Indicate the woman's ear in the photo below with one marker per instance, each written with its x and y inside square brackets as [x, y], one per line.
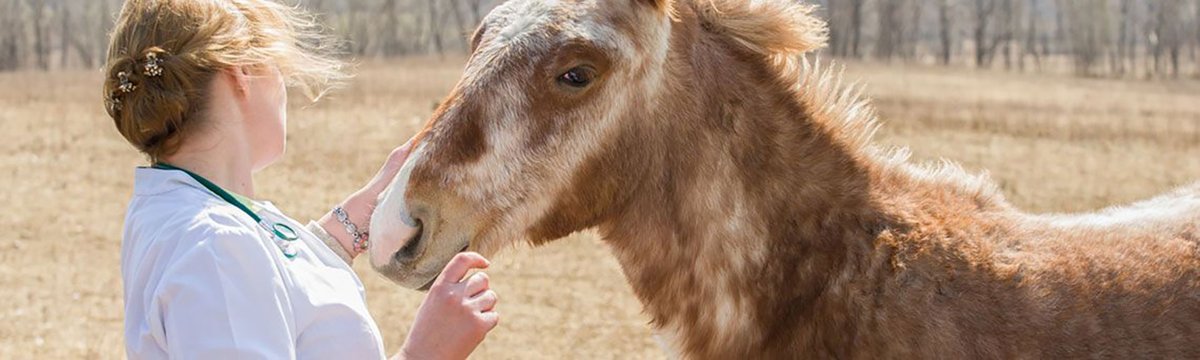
[240, 76]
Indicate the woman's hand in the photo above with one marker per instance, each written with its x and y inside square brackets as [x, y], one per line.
[361, 204]
[456, 315]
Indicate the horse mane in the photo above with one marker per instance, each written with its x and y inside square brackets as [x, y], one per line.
[783, 31]
[841, 110]
[765, 26]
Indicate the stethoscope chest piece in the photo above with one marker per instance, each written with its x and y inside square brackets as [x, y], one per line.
[284, 232]
[290, 251]
[283, 235]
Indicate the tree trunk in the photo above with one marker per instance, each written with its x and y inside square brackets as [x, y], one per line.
[64, 15]
[1174, 61]
[856, 22]
[460, 24]
[476, 7]
[391, 26]
[945, 31]
[983, 14]
[1123, 38]
[837, 28]
[889, 29]
[435, 36]
[1031, 37]
[1060, 31]
[913, 42]
[39, 34]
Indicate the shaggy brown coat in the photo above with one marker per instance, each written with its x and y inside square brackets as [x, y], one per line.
[867, 257]
[754, 219]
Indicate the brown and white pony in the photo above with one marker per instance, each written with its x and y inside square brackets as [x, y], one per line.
[736, 185]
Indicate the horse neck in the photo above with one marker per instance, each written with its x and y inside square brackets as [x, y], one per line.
[748, 207]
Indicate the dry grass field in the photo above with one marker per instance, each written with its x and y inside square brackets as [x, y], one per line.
[1054, 144]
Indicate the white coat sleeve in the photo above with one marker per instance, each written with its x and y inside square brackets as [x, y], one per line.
[224, 296]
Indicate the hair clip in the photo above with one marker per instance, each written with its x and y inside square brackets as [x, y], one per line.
[124, 85]
[153, 67]
[114, 102]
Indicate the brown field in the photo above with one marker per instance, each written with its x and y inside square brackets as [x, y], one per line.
[1054, 143]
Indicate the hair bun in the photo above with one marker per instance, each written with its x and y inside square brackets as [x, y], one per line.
[119, 85]
[171, 51]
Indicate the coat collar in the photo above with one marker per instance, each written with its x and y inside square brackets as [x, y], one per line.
[150, 181]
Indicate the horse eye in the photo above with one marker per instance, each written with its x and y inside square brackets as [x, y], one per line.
[578, 77]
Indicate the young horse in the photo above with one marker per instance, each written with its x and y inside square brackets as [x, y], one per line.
[736, 186]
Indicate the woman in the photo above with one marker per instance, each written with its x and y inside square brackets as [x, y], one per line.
[200, 87]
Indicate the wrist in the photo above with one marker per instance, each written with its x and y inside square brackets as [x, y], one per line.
[335, 230]
[403, 354]
[407, 353]
[355, 211]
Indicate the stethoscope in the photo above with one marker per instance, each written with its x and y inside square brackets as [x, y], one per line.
[281, 234]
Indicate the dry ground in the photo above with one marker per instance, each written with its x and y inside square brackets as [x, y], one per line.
[1054, 143]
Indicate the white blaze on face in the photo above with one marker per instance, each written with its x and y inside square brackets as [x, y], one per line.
[501, 178]
[391, 224]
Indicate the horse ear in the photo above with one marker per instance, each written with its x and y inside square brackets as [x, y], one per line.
[663, 6]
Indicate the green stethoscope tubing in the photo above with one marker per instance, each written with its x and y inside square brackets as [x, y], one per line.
[278, 230]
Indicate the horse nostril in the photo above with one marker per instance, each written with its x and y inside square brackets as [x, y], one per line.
[409, 251]
[409, 220]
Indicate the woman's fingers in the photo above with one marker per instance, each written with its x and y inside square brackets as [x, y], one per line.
[458, 267]
[396, 160]
[490, 319]
[391, 167]
[476, 283]
[484, 302]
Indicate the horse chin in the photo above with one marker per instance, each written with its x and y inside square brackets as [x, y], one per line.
[429, 276]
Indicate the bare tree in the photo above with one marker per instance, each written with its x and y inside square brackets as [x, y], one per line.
[846, 22]
[40, 45]
[1011, 13]
[912, 39]
[475, 8]
[945, 31]
[856, 23]
[433, 32]
[460, 23]
[1031, 36]
[983, 11]
[1089, 33]
[391, 25]
[1166, 35]
[63, 17]
[1124, 38]
[12, 27]
[890, 30]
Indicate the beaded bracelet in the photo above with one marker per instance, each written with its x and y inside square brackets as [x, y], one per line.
[360, 238]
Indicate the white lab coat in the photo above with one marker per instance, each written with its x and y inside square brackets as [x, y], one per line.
[203, 281]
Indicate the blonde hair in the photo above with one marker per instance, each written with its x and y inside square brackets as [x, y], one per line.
[163, 54]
